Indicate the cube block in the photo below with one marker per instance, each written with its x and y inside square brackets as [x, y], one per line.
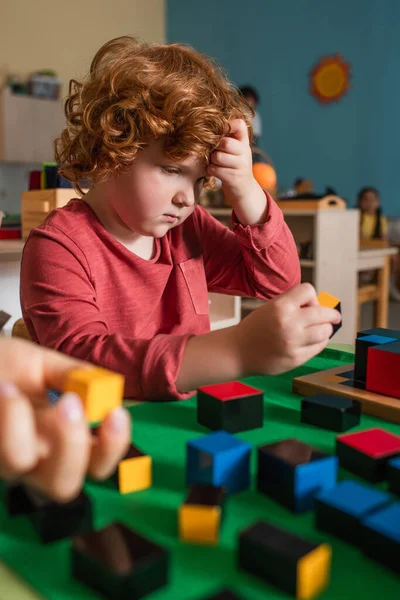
[292, 472]
[134, 472]
[100, 390]
[232, 406]
[366, 453]
[339, 511]
[330, 412]
[52, 520]
[295, 565]
[200, 516]
[393, 473]
[330, 301]
[118, 563]
[219, 459]
[381, 540]
[383, 369]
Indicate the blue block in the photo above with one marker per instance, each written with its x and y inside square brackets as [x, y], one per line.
[381, 536]
[219, 459]
[393, 475]
[313, 477]
[386, 522]
[292, 472]
[353, 498]
[377, 340]
[340, 511]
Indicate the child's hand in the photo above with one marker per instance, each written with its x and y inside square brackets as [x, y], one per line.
[50, 447]
[285, 332]
[231, 162]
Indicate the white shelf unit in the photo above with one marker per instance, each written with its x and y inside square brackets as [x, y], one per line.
[333, 267]
[225, 311]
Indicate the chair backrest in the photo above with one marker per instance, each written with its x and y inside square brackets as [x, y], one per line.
[19, 330]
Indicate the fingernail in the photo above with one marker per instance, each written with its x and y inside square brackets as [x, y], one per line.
[71, 408]
[8, 390]
[117, 419]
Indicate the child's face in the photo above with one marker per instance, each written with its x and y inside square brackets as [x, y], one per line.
[156, 193]
[369, 203]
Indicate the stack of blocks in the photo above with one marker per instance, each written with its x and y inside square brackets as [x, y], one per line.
[295, 565]
[377, 362]
[292, 472]
[363, 516]
[216, 465]
[200, 516]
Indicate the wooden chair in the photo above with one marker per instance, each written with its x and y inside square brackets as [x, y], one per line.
[19, 330]
[378, 293]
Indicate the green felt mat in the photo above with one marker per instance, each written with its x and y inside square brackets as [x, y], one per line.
[162, 431]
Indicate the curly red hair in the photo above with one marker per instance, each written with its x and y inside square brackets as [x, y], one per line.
[136, 93]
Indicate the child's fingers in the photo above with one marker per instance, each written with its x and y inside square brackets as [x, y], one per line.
[230, 145]
[303, 294]
[111, 444]
[19, 445]
[223, 159]
[317, 334]
[62, 468]
[316, 315]
[238, 130]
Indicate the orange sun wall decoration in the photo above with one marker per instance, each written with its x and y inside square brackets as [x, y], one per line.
[330, 79]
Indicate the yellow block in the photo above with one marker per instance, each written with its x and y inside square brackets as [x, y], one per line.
[134, 474]
[328, 300]
[100, 390]
[199, 524]
[313, 572]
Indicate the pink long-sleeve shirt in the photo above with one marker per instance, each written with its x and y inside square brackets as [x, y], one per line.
[83, 293]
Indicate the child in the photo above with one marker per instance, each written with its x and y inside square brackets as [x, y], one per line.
[121, 278]
[373, 225]
[50, 447]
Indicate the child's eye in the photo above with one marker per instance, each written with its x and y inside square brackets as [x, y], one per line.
[170, 170]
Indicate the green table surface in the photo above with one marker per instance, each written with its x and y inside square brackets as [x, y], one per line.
[162, 431]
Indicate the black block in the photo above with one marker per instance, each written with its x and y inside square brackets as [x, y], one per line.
[52, 520]
[330, 412]
[272, 554]
[393, 476]
[370, 468]
[118, 563]
[242, 411]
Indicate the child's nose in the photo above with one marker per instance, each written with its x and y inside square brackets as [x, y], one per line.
[184, 199]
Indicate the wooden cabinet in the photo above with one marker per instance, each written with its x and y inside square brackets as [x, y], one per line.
[28, 127]
[36, 205]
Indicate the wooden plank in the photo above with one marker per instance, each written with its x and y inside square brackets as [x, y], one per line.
[384, 407]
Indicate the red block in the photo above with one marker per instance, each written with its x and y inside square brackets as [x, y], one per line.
[376, 443]
[383, 369]
[229, 391]
[367, 453]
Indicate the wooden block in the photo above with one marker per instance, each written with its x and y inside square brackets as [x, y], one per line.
[374, 404]
[134, 472]
[295, 565]
[330, 301]
[117, 562]
[100, 390]
[231, 406]
[367, 453]
[324, 203]
[200, 515]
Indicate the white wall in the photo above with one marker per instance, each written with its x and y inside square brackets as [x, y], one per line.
[64, 36]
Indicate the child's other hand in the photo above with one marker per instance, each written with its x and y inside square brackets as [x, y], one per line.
[231, 162]
[51, 447]
[285, 332]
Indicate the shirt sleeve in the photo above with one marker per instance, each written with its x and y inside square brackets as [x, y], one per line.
[58, 299]
[259, 261]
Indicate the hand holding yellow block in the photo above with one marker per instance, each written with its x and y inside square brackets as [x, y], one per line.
[100, 390]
